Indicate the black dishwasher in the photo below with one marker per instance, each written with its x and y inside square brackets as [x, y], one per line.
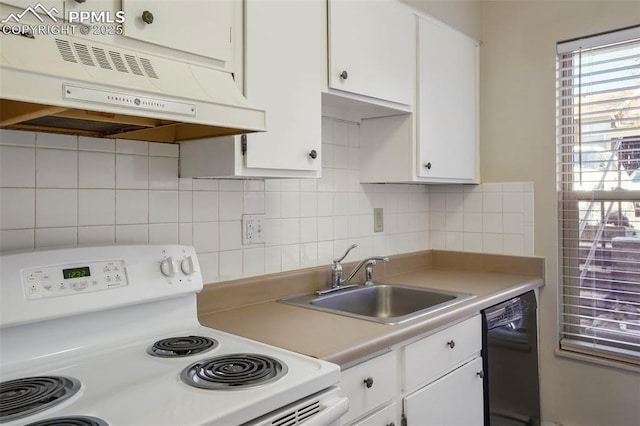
[510, 360]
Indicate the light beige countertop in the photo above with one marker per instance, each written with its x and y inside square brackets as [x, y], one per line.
[254, 312]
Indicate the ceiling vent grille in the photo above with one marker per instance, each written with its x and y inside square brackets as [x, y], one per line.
[116, 58]
[64, 47]
[83, 54]
[101, 58]
[298, 416]
[148, 68]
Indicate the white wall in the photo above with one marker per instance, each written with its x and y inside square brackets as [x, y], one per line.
[518, 144]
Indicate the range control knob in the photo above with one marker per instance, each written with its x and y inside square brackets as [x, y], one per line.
[187, 265]
[166, 267]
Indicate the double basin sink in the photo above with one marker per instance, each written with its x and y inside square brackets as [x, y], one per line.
[383, 303]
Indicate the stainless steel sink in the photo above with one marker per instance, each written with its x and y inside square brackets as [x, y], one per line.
[385, 303]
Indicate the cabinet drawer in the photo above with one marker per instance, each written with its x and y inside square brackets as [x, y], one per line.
[388, 416]
[370, 384]
[429, 358]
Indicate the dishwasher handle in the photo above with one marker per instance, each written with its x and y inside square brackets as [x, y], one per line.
[509, 312]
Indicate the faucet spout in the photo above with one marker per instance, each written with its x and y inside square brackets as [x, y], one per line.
[368, 263]
[337, 271]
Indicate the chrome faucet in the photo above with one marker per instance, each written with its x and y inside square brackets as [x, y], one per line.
[338, 283]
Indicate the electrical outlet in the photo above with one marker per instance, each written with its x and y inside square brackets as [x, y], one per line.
[378, 220]
[253, 228]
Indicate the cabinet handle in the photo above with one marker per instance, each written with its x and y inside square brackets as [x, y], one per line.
[80, 1]
[451, 344]
[480, 374]
[368, 382]
[428, 166]
[147, 17]
[313, 154]
[344, 75]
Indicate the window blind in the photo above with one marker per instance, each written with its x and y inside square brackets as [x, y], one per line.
[598, 129]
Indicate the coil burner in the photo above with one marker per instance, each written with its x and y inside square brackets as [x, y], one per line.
[23, 397]
[233, 371]
[71, 421]
[175, 347]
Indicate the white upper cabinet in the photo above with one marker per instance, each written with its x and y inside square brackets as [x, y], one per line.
[283, 74]
[447, 108]
[371, 49]
[192, 26]
[439, 142]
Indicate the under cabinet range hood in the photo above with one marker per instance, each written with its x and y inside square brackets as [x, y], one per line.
[76, 85]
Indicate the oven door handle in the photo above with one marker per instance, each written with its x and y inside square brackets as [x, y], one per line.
[334, 409]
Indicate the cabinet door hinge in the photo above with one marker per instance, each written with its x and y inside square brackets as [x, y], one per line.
[403, 420]
[243, 144]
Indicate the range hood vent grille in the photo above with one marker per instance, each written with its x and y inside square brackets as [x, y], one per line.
[101, 58]
[64, 47]
[82, 53]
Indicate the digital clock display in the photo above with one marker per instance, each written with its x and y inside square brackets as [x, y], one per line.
[76, 272]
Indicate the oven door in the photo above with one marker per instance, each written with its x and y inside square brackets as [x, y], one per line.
[321, 409]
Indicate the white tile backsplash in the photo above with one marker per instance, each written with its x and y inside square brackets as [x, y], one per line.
[96, 234]
[163, 206]
[132, 206]
[132, 171]
[17, 239]
[96, 207]
[96, 144]
[100, 191]
[96, 170]
[50, 140]
[132, 233]
[17, 167]
[17, 208]
[56, 207]
[17, 138]
[56, 168]
[53, 237]
[162, 173]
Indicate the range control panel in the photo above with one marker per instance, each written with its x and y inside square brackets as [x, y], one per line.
[65, 280]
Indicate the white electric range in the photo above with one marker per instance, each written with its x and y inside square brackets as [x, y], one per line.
[109, 336]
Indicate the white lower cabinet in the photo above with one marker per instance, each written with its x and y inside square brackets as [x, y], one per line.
[370, 384]
[436, 380]
[454, 399]
[391, 415]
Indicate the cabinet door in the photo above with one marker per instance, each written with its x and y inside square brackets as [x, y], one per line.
[390, 415]
[455, 399]
[370, 384]
[447, 128]
[373, 43]
[283, 75]
[194, 26]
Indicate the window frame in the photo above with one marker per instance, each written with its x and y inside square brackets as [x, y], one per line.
[568, 136]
